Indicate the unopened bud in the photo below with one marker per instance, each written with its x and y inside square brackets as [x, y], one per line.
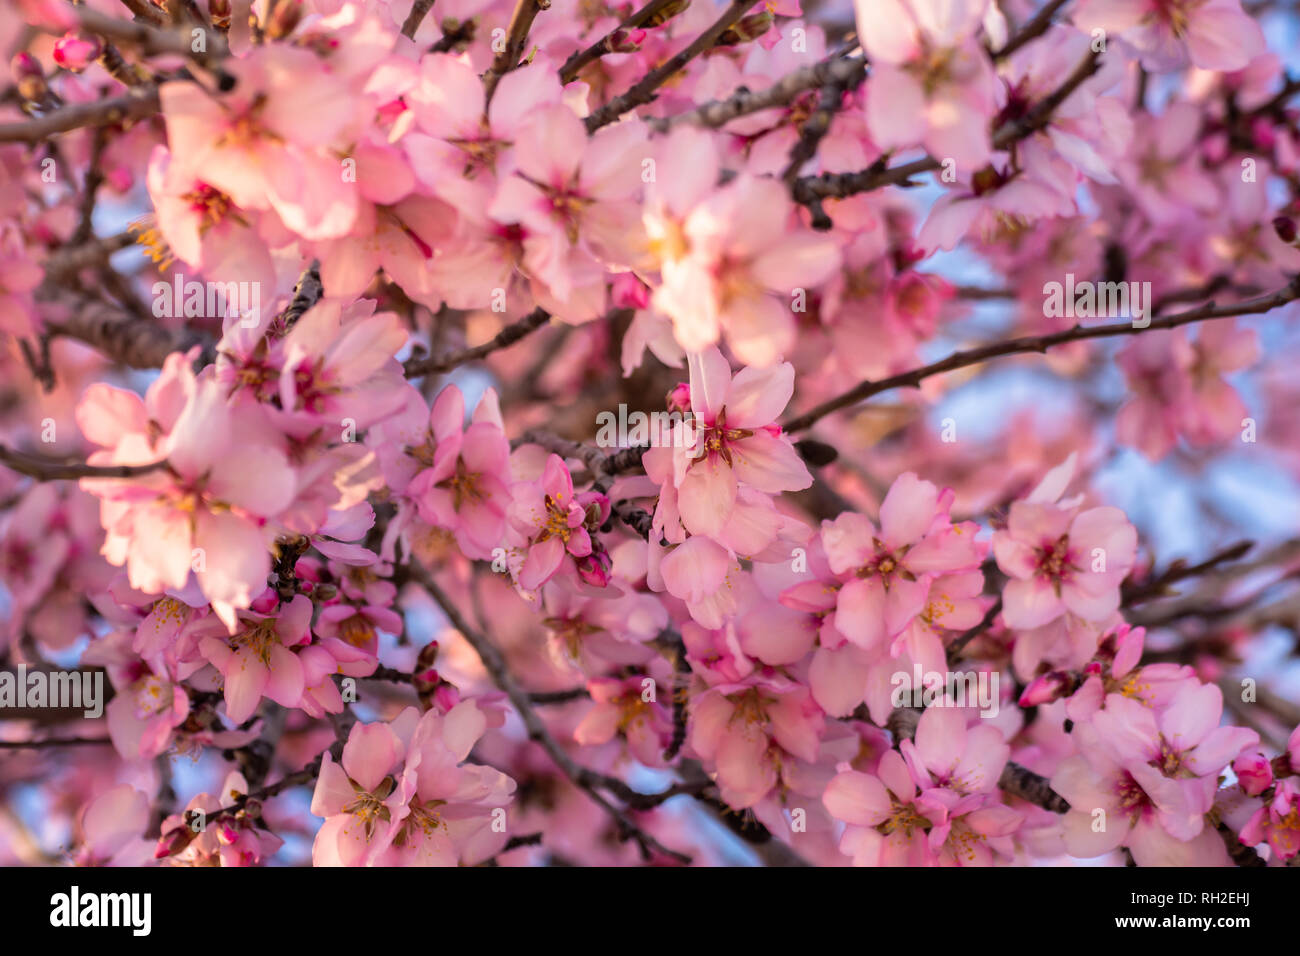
[629, 292]
[1285, 228]
[27, 73]
[220, 12]
[1049, 687]
[76, 51]
[747, 28]
[679, 399]
[427, 658]
[284, 19]
[1254, 773]
[625, 41]
[667, 12]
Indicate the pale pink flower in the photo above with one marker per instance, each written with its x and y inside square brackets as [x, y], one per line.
[887, 572]
[207, 513]
[1061, 558]
[732, 439]
[1277, 822]
[113, 827]
[934, 804]
[575, 196]
[621, 709]
[736, 266]
[1171, 34]
[930, 84]
[548, 516]
[225, 839]
[258, 660]
[464, 485]
[753, 733]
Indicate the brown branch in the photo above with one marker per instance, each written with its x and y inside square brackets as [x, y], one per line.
[817, 125]
[644, 91]
[508, 336]
[419, 11]
[1034, 788]
[1039, 343]
[53, 742]
[639, 18]
[809, 190]
[128, 341]
[521, 21]
[1033, 28]
[134, 104]
[985, 623]
[584, 778]
[454, 34]
[71, 259]
[1133, 593]
[1241, 854]
[90, 188]
[52, 469]
[718, 113]
[306, 293]
[160, 41]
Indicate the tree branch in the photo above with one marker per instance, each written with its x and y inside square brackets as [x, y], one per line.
[585, 779]
[644, 91]
[508, 336]
[718, 113]
[137, 102]
[1039, 343]
[52, 469]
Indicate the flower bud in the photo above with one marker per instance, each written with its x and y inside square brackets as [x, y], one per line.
[427, 658]
[679, 399]
[284, 19]
[1285, 228]
[624, 41]
[747, 28]
[1049, 687]
[76, 51]
[1254, 772]
[629, 292]
[30, 77]
[667, 12]
[446, 697]
[220, 12]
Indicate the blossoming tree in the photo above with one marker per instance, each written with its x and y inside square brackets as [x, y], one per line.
[309, 312]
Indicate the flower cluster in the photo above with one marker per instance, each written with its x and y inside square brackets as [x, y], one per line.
[309, 313]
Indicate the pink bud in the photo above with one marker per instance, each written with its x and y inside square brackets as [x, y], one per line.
[595, 569]
[625, 41]
[446, 697]
[75, 51]
[30, 77]
[679, 399]
[629, 292]
[1254, 772]
[1049, 687]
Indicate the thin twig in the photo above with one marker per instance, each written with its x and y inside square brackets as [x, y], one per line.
[1039, 343]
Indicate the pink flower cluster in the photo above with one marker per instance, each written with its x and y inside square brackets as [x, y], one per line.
[332, 511]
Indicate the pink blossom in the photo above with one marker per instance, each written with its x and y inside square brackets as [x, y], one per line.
[547, 514]
[1062, 558]
[889, 571]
